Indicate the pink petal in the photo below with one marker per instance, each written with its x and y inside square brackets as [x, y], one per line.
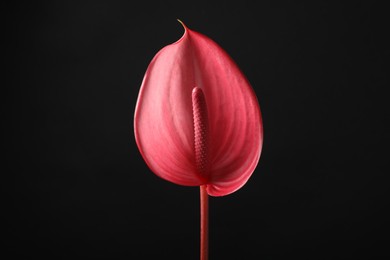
[164, 126]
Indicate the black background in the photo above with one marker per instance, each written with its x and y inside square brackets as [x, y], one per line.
[75, 181]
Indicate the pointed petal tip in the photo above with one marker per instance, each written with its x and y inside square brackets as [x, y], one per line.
[184, 26]
[185, 31]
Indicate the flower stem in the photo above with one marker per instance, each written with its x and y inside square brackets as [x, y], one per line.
[204, 223]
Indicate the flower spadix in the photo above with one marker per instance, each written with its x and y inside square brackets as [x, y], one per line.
[197, 119]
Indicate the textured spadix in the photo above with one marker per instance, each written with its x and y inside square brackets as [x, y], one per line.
[197, 119]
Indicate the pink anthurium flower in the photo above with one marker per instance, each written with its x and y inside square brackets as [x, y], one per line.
[197, 120]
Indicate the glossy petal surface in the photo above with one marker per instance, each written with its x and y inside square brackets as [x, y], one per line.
[164, 126]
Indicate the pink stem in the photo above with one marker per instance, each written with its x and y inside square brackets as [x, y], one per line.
[204, 223]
